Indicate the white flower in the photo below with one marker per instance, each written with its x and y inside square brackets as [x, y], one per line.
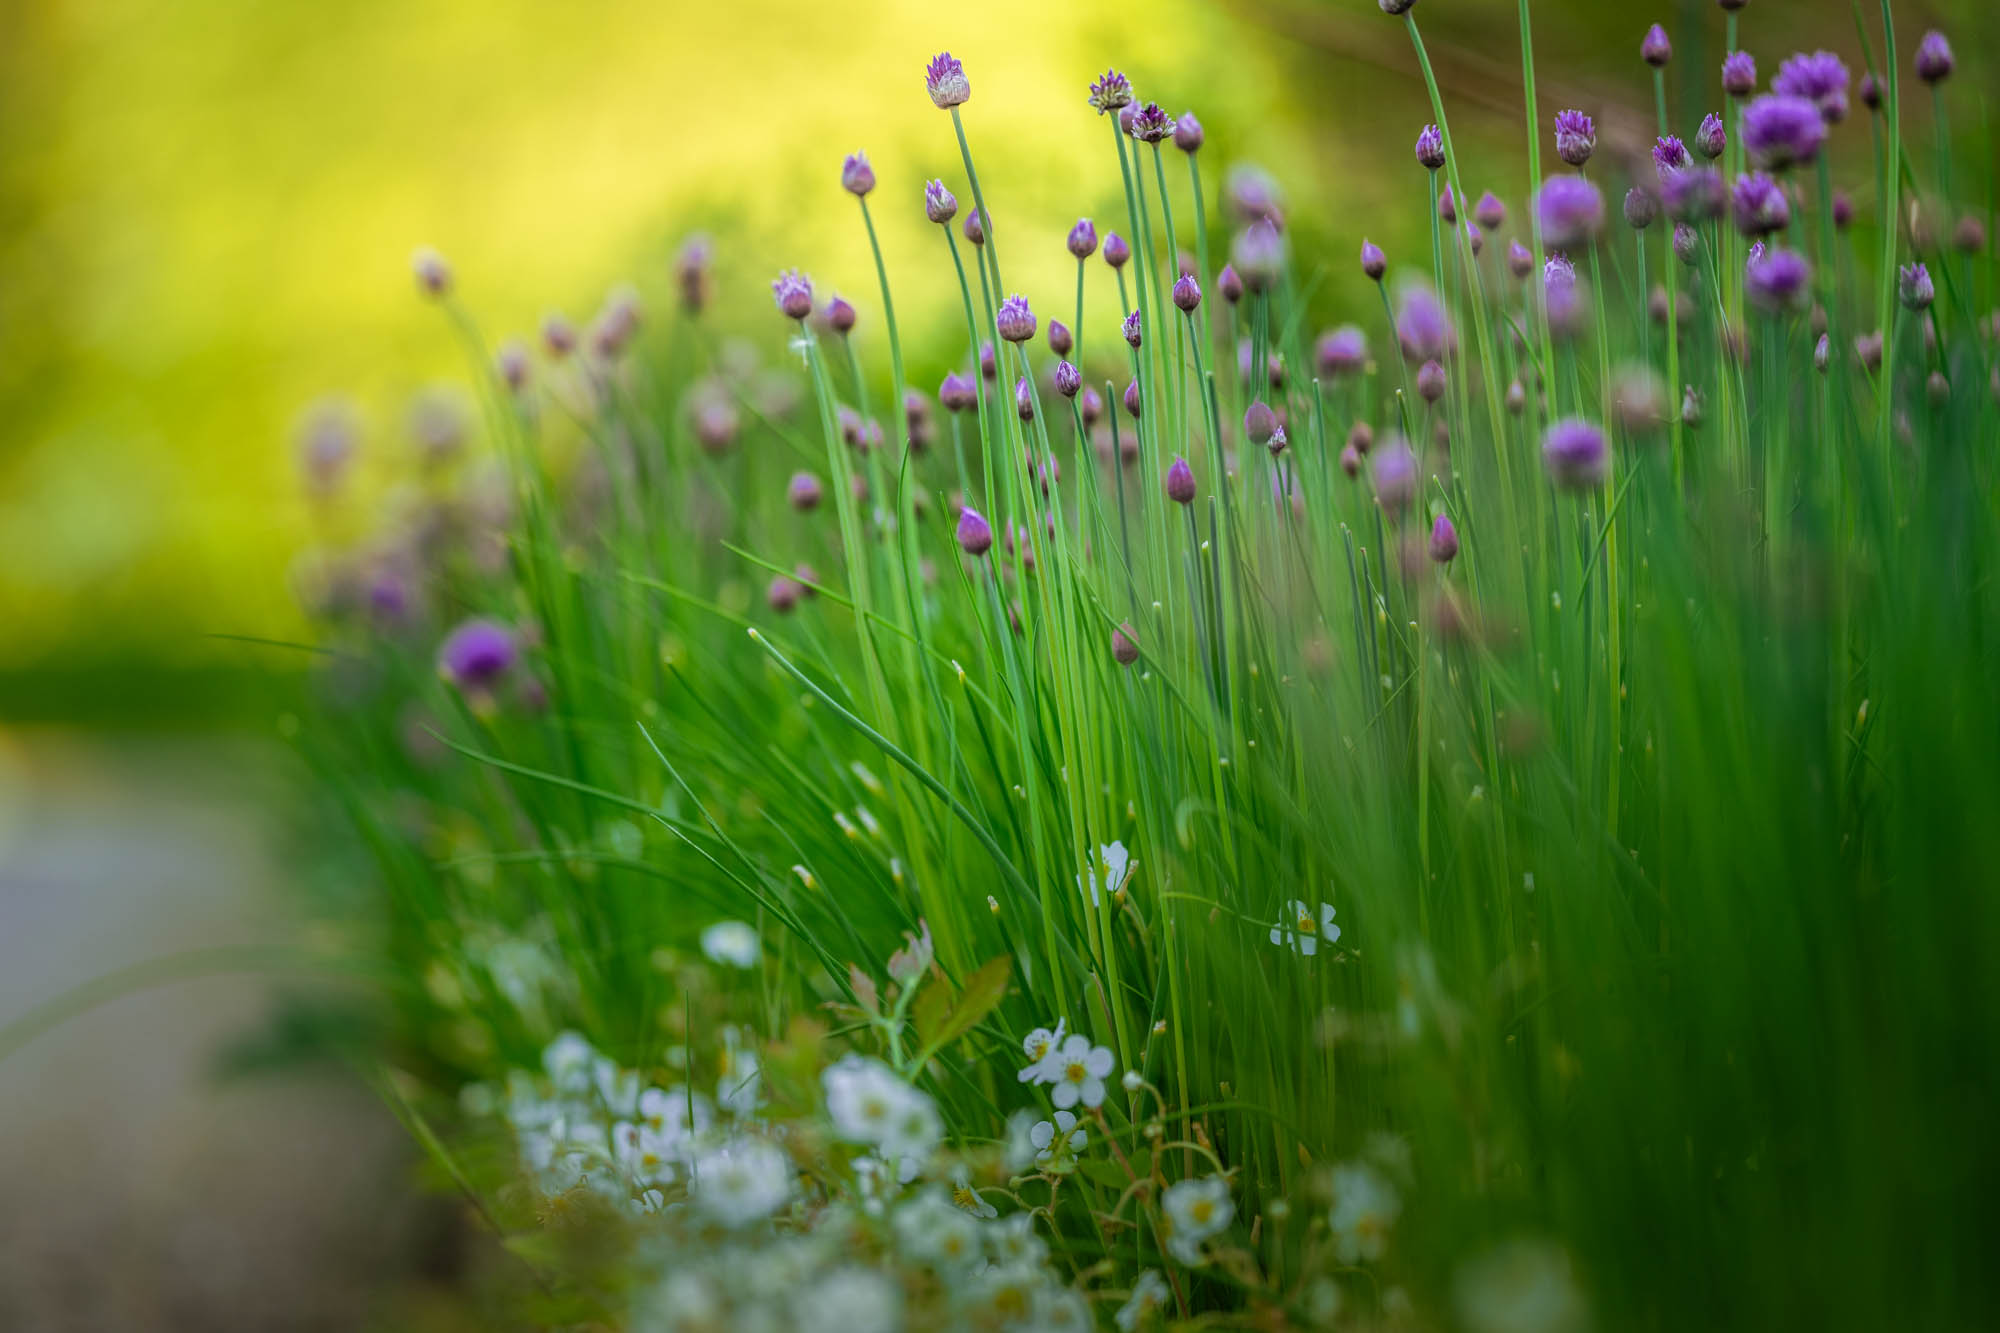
[1132, 1080]
[1195, 1210]
[742, 1181]
[863, 1098]
[914, 1131]
[1149, 1293]
[1116, 863]
[967, 1198]
[642, 1153]
[1365, 1206]
[1524, 1286]
[1077, 1069]
[676, 1116]
[568, 1060]
[1013, 1241]
[1037, 1046]
[618, 1087]
[1056, 1142]
[930, 1229]
[1061, 1308]
[1304, 930]
[853, 1300]
[731, 942]
[1020, 1146]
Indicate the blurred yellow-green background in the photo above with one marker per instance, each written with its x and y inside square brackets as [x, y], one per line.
[209, 208]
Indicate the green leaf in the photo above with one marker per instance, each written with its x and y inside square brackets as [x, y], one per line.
[983, 991]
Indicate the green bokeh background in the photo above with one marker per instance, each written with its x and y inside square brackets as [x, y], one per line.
[207, 210]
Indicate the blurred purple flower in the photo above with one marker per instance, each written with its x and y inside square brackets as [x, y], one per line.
[1570, 210]
[1779, 131]
[945, 81]
[1573, 451]
[1821, 78]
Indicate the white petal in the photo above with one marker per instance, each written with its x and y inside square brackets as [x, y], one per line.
[1277, 935]
[1099, 1062]
[1308, 945]
[1093, 1092]
[1064, 1095]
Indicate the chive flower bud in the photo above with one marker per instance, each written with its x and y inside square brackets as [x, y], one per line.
[1394, 470]
[1124, 650]
[1778, 280]
[1820, 78]
[1132, 398]
[1574, 454]
[1373, 262]
[794, 294]
[1116, 251]
[1180, 482]
[1069, 380]
[1780, 131]
[975, 534]
[1758, 206]
[1060, 340]
[840, 316]
[1656, 50]
[1259, 422]
[1430, 147]
[1015, 321]
[1110, 92]
[1576, 137]
[1341, 352]
[1229, 284]
[945, 81]
[1444, 541]
[1083, 238]
[958, 393]
[1642, 208]
[1520, 262]
[1430, 381]
[1571, 211]
[1914, 287]
[1934, 60]
[856, 176]
[1130, 328]
[1188, 135]
[940, 206]
[433, 274]
[804, 492]
[1739, 75]
[1711, 138]
[974, 229]
[1151, 123]
[1489, 212]
[476, 655]
[1024, 399]
[1187, 293]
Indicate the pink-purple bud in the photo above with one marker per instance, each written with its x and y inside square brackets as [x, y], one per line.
[1259, 423]
[1024, 399]
[1083, 239]
[1430, 148]
[1069, 380]
[1576, 137]
[1444, 541]
[1430, 381]
[804, 492]
[1934, 59]
[1739, 75]
[958, 393]
[840, 315]
[1060, 340]
[1229, 284]
[940, 205]
[1116, 251]
[1015, 321]
[1373, 262]
[1656, 50]
[856, 176]
[945, 81]
[433, 274]
[1711, 138]
[1188, 136]
[974, 229]
[1124, 650]
[1489, 212]
[1129, 329]
[1187, 294]
[975, 534]
[1132, 398]
[794, 294]
[1180, 482]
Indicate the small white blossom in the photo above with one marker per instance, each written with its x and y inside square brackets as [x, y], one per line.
[853, 1300]
[1524, 1286]
[1306, 927]
[742, 1181]
[731, 942]
[1077, 1069]
[1195, 1210]
[1020, 1142]
[1058, 1141]
[1115, 863]
[967, 1198]
[1060, 1309]
[1037, 1047]
[568, 1060]
[1149, 1294]
[863, 1097]
[914, 1131]
[930, 1229]
[1132, 1080]
[1013, 1241]
[1365, 1207]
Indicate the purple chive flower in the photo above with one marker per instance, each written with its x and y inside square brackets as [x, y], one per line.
[1656, 50]
[783, 595]
[939, 204]
[1520, 262]
[1083, 239]
[1687, 245]
[558, 335]
[1373, 262]
[1060, 340]
[975, 534]
[1562, 301]
[691, 273]
[1230, 284]
[1821, 78]
[1871, 91]
[1642, 208]
[1758, 205]
[1843, 210]
[1394, 469]
[1188, 135]
[1024, 399]
[1111, 92]
[1180, 482]
[958, 393]
[1132, 398]
[1069, 380]
[1252, 193]
[1576, 137]
[1125, 114]
[1693, 195]
[1822, 354]
[433, 274]
[1868, 350]
[989, 365]
[1914, 286]
[840, 315]
[1091, 404]
[1129, 329]
[1259, 423]
[1430, 381]
[856, 176]
[512, 363]
[945, 81]
[1430, 147]
[1444, 541]
[1489, 212]
[1394, 7]
[1124, 648]
[1573, 451]
[1258, 253]
[1670, 154]
[1447, 206]
[1711, 138]
[1341, 352]
[1151, 123]
[1015, 322]
[794, 293]
[1116, 251]
[1571, 211]
[476, 655]
[1739, 74]
[1934, 60]
[804, 492]
[1780, 131]
[1778, 281]
[1187, 293]
[1422, 328]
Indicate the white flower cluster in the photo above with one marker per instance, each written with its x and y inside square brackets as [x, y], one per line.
[869, 1104]
[1074, 1066]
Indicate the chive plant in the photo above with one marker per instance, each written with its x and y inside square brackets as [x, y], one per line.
[1503, 792]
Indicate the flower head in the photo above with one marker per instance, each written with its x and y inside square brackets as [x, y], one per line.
[1341, 352]
[1576, 137]
[1304, 926]
[1758, 205]
[1430, 147]
[794, 293]
[1373, 262]
[1068, 379]
[974, 229]
[945, 81]
[1570, 210]
[742, 1181]
[732, 942]
[1739, 74]
[1656, 50]
[1150, 1294]
[1711, 138]
[1821, 78]
[1024, 399]
[1573, 451]
[1780, 131]
[1430, 381]
[1778, 280]
[1083, 239]
[1110, 92]
[1444, 540]
[1187, 293]
[1489, 212]
[1129, 329]
[1694, 194]
[1124, 647]
[1642, 208]
[1365, 1207]
[958, 393]
[1116, 251]
[856, 176]
[1394, 470]
[477, 654]
[1180, 482]
[1258, 254]
[1015, 321]
[1914, 286]
[1188, 135]
[975, 534]
[1194, 1210]
[1057, 1140]
[1871, 91]
[1422, 328]
[433, 274]
[1520, 262]
[940, 206]
[1670, 154]
[1077, 1068]
[840, 315]
[1934, 60]
[1151, 123]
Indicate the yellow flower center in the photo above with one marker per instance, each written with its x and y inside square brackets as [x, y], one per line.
[965, 1198]
[1203, 1210]
[1076, 1072]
